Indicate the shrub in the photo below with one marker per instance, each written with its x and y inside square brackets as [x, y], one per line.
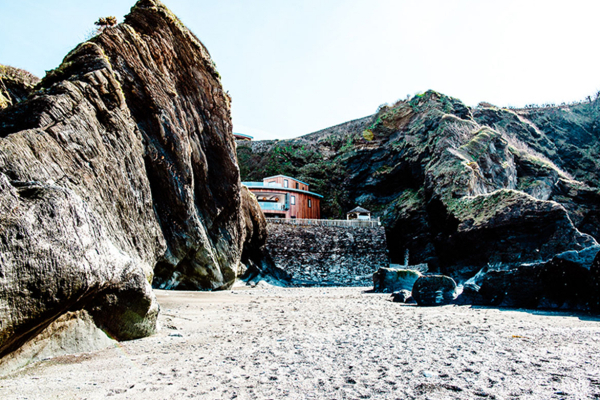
[106, 22]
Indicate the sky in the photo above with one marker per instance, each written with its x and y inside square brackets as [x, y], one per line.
[295, 67]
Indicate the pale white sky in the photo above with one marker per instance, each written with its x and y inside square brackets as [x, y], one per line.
[294, 67]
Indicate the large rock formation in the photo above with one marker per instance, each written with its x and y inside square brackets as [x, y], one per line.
[119, 169]
[394, 279]
[457, 188]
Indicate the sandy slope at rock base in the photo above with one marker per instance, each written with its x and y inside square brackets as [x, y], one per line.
[333, 343]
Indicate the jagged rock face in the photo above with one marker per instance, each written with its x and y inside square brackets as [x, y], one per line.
[566, 135]
[454, 187]
[121, 164]
[174, 94]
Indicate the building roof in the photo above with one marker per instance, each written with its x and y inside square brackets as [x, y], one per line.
[285, 176]
[243, 136]
[262, 186]
[359, 210]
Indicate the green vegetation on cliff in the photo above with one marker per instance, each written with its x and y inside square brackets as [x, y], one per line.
[436, 170]
[15, 85]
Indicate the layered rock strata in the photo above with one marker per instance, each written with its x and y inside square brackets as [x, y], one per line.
[118, 171]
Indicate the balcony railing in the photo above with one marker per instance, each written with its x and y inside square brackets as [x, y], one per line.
[357, 223]
[272, 206]
[262, 184]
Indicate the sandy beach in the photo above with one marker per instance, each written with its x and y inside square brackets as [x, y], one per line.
[329, 343]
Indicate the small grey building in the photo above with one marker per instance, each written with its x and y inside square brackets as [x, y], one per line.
[359, 213]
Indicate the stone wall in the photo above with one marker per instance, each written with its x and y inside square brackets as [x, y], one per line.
[346, 256]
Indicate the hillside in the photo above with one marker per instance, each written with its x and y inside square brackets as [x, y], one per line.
[456, 187]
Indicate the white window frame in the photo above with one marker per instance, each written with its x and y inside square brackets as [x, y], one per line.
[285, 183]
[293, 200]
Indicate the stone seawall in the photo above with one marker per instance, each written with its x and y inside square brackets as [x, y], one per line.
[345, 256]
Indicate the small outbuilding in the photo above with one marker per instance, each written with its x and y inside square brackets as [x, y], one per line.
[243, 137]
[359, 213]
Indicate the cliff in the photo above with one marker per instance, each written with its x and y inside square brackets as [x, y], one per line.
[456, 187]
[118, 171]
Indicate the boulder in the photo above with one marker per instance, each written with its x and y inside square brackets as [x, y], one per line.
[389, 280]
[519, 287]
[434, 290]
[555, 284]
[566, 284]
[402, 296]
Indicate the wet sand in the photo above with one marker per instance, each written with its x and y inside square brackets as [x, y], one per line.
[330, 343]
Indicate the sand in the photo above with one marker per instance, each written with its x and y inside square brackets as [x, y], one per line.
[330, 343]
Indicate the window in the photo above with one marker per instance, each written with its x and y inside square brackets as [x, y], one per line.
[297, 185]
[309, 204]
[293, 200]
[285, 183]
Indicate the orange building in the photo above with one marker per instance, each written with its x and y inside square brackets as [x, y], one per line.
[281, 196]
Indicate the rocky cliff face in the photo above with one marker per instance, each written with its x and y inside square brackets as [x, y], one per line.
[457, 188]
[119, 170]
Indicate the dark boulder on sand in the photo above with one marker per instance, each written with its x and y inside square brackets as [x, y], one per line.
[434, 290]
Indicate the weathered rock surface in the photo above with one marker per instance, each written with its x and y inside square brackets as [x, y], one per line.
[457, 188]
[389, 280]
[584, 258]
[119, 170]
[15, 85]
[555, 284]
[434, 290]
[327, 255]
[72, 332]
